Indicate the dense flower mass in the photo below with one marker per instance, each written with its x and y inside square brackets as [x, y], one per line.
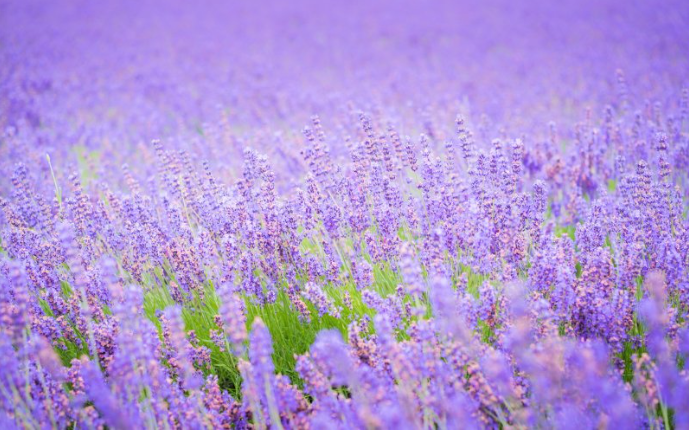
[312, 214]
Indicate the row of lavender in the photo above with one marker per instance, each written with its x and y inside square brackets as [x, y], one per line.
[542, 340]
[178, 251]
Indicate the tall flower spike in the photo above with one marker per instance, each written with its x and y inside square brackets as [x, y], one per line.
[233, 318]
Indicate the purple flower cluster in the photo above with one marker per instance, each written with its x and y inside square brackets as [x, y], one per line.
[485, 226]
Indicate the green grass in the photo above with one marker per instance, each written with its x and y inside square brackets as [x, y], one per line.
[566, 230]
[86, 159]
[612, 185]
[291, 334]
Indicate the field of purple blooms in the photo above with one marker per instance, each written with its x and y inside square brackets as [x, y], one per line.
[385, 214]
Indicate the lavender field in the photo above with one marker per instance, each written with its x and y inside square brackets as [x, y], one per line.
[372, 214]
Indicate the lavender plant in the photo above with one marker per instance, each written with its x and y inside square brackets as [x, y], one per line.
[344, 215]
